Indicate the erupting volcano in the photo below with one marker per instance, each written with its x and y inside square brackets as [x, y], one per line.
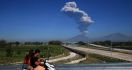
[82, 18]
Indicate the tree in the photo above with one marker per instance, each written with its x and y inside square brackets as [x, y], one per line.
[81, 43]
[55, 42]
[37, 43]
[107, 43]
[3, 43]
[17, 43]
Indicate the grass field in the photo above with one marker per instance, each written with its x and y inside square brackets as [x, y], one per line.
[18, 52]
[95, 58]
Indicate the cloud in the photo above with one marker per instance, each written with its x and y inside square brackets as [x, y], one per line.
[72, 7]
[81, 17]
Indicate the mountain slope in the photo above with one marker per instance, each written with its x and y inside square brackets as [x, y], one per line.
[115, 37]
[80, 37]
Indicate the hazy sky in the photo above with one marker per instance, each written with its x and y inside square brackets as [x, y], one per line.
[42, 19]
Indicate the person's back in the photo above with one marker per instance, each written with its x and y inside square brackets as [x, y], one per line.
[27, 60]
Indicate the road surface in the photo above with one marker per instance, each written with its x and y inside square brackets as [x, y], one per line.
[118, 55]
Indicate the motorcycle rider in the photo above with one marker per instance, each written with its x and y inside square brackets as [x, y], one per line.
[35, 61]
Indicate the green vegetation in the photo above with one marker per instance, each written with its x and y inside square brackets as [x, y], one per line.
[121, 45]
[55, 43]
[108, 49]
[90, 59]
[105, 43]
[81, 43]
[95, 58]
[94, 47]
[10, 53]
[106, 58]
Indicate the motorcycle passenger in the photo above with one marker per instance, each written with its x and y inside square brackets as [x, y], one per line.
[27, 60]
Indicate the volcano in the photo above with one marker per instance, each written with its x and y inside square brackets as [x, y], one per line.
[115, 37]
[80, 37]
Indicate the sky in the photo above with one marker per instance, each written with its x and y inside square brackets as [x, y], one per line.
[23, 20]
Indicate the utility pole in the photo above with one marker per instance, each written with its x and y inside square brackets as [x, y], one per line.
[111, 48]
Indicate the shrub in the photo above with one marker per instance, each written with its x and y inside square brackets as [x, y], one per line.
[55, 42]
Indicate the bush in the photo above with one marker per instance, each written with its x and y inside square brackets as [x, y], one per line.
[106, 58]
[9, 51]
[81, 43]
[55, 43]
[3, 43]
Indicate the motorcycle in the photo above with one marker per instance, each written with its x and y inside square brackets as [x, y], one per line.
[25, 67]
[48, 66]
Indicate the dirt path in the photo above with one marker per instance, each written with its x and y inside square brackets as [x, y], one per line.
[72, 55]
[118, 55]
[76, 61]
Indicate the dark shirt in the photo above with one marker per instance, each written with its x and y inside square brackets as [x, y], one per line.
[33, 60]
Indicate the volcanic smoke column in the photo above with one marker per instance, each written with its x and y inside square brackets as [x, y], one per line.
[81, 17]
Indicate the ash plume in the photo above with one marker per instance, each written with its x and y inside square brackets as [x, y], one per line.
[81, 17]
